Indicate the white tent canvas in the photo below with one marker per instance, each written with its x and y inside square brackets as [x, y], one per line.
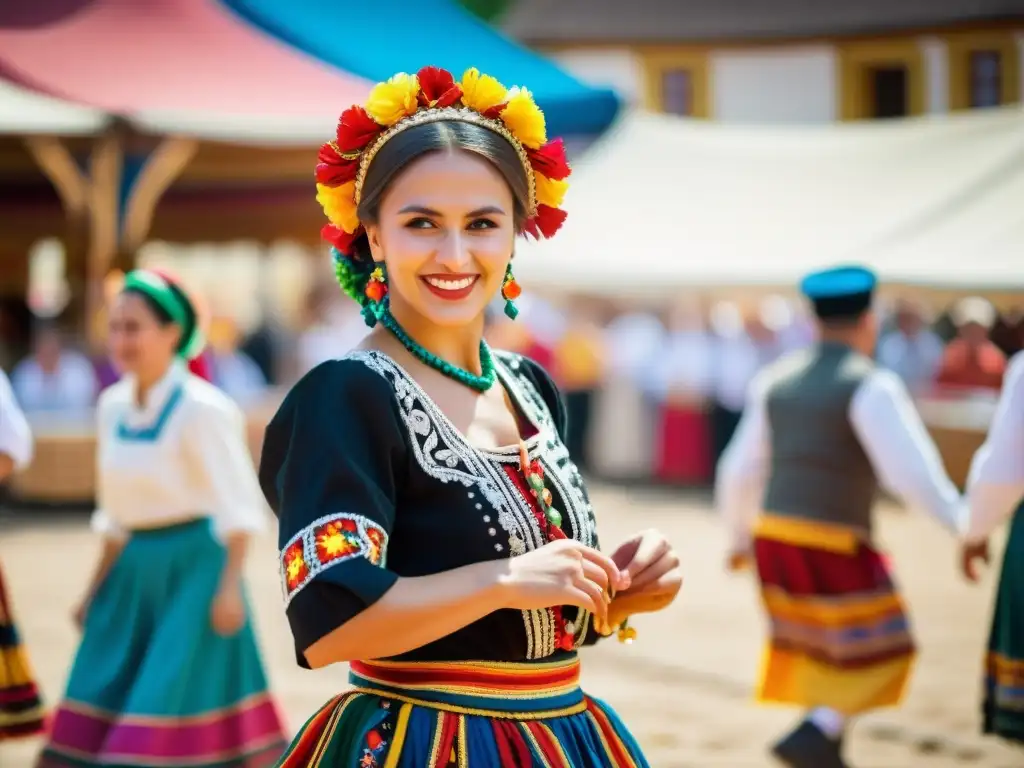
[277, 131]
[663, 203]
[24, 112]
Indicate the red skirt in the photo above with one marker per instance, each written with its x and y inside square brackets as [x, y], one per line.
[839, 632]
[684, 446]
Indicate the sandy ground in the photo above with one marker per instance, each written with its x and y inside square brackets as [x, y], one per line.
[684, 687]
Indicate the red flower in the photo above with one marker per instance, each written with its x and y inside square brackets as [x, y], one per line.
[550, 160]
[356, 129]
[546, 223]
[339, 238]
[328, 155]
[495, 112]
[334, 170]
[437, 87]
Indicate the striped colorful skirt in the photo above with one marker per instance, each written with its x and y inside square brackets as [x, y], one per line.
[465, 714]
[152, 683]
[21, 710]
[1003, 710]
[839, 633]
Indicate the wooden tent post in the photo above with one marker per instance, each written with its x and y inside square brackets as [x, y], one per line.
[162, 168]
[104, 212]
[92, 202]
[56, 162]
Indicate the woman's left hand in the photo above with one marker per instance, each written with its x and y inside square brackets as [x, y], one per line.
[655, 576]
[228, 613]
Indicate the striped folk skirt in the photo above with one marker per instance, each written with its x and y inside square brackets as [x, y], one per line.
[839, 633]
[464, 714]
[152, 683]
[21, 711]
[1003, 710]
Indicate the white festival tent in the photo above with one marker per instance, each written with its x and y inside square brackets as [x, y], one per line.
[662, 203]
[24, 112]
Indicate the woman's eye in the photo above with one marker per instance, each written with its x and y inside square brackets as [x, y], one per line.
[482, 224]
[420, 223]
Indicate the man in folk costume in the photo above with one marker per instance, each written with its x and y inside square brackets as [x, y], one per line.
[822, 430]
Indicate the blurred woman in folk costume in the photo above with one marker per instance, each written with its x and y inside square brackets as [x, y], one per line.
[20, 707]
[823, 429]
[995, 494]
[684, 375]
[434, 531]
[623, 435]
[167, 671]
[578, 368]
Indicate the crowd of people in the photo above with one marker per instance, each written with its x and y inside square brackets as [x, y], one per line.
[653, 396]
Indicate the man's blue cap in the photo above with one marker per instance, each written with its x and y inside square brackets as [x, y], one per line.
[840, 292]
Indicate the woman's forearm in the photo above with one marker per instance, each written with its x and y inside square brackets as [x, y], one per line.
[414, 612]
[108, 556]
[237, 544]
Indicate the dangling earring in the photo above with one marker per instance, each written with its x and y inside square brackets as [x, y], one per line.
[376, 290]
[510, 291]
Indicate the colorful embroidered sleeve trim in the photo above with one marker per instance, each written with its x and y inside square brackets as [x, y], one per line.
[327, 542]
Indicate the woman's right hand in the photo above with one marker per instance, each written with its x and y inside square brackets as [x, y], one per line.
[79, 613]
[563, 572]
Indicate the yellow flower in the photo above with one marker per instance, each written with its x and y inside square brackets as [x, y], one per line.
[549, 191]
[481, 92]
[391, 101]
[523, 117]
[339, 203]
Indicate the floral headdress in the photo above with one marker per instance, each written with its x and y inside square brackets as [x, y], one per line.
[432, 95]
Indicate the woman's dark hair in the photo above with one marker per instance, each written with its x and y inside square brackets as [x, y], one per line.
[353, 269]
[164, 318]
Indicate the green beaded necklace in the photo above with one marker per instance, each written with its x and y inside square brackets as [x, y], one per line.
[480, 383]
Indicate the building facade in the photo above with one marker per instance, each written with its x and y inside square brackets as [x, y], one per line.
[787, 61]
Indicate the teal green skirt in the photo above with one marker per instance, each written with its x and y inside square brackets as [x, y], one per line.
[152, 683]
[1003, 709]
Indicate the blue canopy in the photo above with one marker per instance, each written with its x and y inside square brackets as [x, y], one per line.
[374, 40]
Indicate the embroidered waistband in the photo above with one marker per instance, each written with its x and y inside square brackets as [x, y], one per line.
[186, 523]
[809, 533]
[511, 690]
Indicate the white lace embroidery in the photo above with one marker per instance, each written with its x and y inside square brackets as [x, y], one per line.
[559, 469]
[444, 454]
[301, 556]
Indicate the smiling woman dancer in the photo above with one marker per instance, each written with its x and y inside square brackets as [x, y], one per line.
[431, 518]
[168, 672]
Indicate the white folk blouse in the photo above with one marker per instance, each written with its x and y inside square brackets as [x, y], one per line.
[995, 485]
[15, 435]
[182, 455]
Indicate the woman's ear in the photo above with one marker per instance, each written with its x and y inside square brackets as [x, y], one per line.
[373, 240]
[174, 333]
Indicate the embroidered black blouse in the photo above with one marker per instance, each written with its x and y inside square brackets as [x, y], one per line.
[370, 481]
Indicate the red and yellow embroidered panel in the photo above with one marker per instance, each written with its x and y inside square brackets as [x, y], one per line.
[326, 542]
